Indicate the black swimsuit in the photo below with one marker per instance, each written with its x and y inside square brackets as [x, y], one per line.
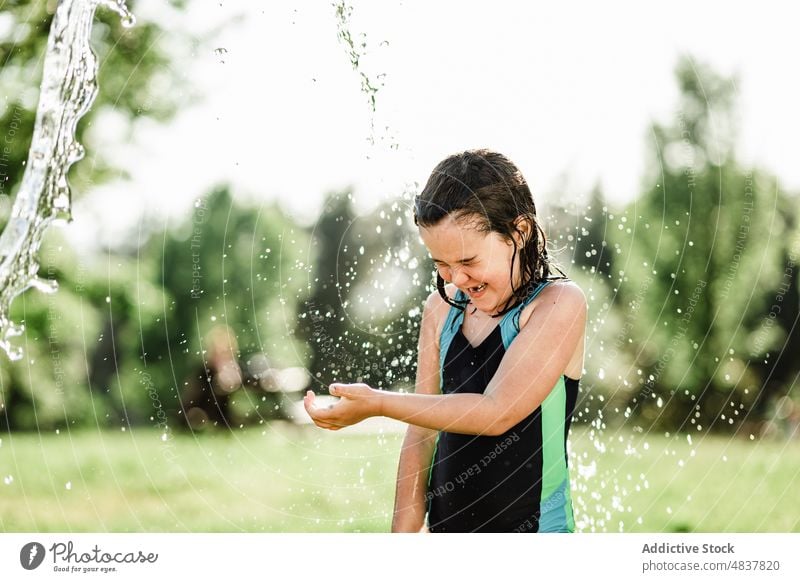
[515, 482]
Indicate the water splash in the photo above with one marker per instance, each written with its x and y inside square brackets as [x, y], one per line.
[370, 85]
[69, 86]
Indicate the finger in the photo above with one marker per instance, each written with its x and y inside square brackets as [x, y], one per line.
[327, 425]
[319, 414]
[323, 414]
[341, 390]
[319, 422]
[308, 402]
[313, 411]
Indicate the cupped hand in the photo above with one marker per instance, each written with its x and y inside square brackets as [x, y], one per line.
[356, 402]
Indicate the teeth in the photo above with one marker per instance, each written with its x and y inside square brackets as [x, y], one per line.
[477, 289]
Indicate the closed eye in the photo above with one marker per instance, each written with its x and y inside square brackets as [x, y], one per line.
[465, 262]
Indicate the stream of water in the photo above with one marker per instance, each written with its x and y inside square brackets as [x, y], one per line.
[69, 86]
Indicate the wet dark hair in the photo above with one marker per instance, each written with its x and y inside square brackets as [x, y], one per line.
[485, 189]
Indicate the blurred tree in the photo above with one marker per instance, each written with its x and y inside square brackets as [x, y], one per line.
[70, 335]
[74, 342]
[579, 235]
[322, 324]
[393, 278]
[774, 341]
[701, 255]
[592, 251]
[370, 280]
[229, 264]
[133, 76]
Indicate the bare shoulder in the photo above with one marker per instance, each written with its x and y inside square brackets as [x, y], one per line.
[563, 291]
[566, 295]
[436, 308]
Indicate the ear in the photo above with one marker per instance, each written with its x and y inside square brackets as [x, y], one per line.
[522, 231]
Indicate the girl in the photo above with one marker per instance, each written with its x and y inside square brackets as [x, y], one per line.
[499, 358]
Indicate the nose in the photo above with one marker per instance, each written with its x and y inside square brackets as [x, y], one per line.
[458, 277]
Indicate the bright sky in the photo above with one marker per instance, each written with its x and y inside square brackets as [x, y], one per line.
[565, 89]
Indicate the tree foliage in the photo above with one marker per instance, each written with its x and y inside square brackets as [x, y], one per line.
[703, 251]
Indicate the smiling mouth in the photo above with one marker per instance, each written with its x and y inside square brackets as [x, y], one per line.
[477, 289]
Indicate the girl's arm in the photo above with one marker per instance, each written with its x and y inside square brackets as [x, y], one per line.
[418, 447]
[527, 373]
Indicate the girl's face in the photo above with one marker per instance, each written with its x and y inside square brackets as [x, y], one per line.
[478, 263]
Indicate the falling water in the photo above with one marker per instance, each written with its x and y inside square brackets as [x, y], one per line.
[69, 86]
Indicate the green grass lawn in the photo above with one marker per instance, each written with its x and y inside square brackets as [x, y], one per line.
[284, 478]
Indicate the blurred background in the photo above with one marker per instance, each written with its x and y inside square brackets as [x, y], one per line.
[242, 232]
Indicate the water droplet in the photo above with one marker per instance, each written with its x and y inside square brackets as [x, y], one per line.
[75, 153]
[587, 471]
[127, 19]
[14, 353]
[44, 285]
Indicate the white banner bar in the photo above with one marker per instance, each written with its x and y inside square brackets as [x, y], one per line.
[371, 557]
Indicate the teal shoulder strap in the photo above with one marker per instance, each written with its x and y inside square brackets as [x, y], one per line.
[450, 328]
[509, 325]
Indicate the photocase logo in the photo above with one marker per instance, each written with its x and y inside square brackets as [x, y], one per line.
[31, 555]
